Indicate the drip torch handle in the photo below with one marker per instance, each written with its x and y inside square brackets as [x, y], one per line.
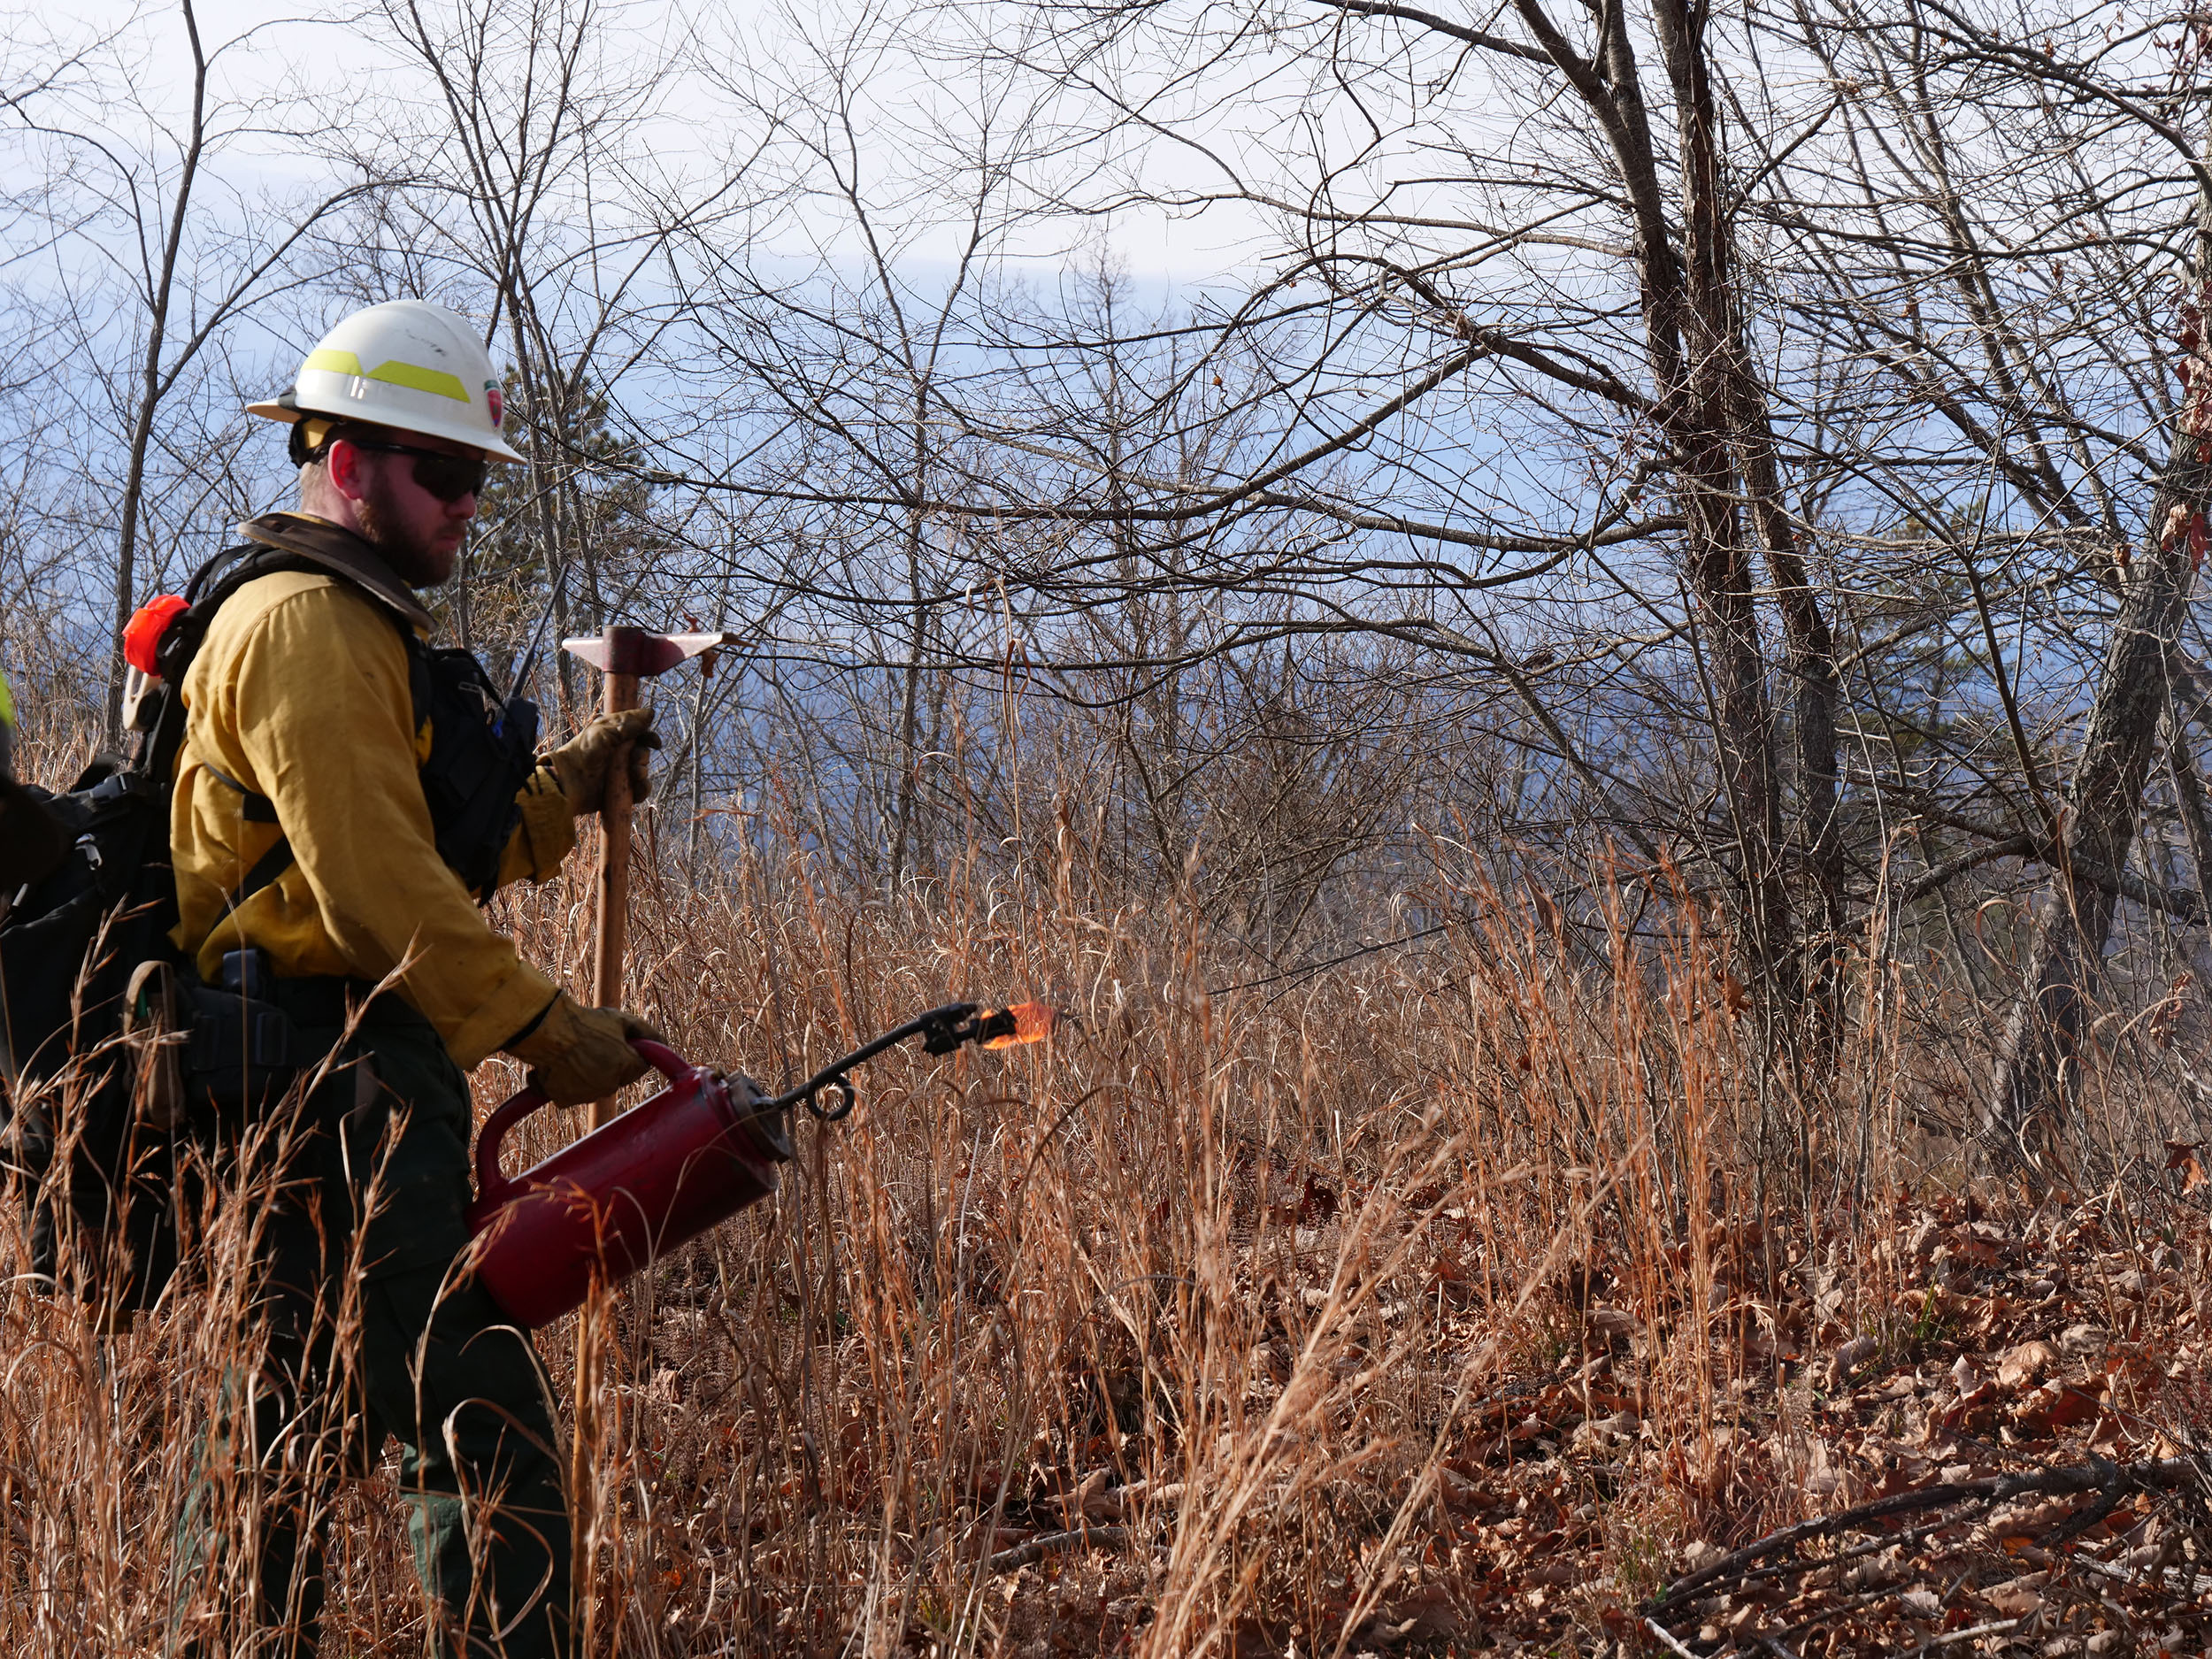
[489, 1182]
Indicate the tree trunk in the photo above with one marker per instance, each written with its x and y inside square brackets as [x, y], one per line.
[2189, 801]
[151, 383]
[1705, 410]
[2042, 1038]
[1815, 693]
[1692, 337]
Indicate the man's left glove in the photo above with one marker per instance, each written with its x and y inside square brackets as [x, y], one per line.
[580, 764]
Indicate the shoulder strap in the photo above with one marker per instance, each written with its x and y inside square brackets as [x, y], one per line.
[157, 754]
[266, 868]
[258, 808]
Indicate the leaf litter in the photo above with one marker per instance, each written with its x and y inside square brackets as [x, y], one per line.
[1575, 1509]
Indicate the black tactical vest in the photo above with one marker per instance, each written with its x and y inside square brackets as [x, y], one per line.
[483, 748]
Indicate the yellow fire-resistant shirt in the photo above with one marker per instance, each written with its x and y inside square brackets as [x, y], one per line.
[300, 693]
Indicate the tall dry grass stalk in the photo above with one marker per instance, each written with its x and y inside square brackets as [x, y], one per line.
[1257, 1276]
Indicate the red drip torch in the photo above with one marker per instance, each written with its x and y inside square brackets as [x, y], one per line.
[702, 1150]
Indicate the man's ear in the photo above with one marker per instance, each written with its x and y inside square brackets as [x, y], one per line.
[348, 469]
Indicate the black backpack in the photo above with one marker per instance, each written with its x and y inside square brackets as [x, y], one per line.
[71, 942]
[68, 944]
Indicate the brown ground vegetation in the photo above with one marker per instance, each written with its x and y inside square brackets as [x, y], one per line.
[1448, 1300]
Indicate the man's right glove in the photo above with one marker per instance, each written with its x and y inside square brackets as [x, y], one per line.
[580, 764]
[576, 1054]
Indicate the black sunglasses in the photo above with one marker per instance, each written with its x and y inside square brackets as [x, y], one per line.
[447, 476]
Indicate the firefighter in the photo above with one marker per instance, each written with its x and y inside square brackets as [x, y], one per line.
[329, 831]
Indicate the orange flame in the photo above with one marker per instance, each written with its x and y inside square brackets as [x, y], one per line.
[1033, 1023]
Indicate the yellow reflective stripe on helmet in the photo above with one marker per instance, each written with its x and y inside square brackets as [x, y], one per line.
[7, 703]
[437, 382]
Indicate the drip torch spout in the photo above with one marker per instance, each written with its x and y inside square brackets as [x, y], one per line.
[941, 1030]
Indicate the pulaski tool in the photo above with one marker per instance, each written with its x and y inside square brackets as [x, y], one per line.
[704, 1147]
[624, 655]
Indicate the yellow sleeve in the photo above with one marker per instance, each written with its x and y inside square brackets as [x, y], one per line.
[546, 834]
[323, 720]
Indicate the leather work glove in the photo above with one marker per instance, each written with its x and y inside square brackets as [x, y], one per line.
[576, 1054]
[580, 764]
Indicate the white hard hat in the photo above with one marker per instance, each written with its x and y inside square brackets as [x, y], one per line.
[406, 364]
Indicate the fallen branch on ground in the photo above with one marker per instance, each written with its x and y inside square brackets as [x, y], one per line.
[1081, 1538]
[2098, 1475]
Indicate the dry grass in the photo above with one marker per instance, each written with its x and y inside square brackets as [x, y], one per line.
[1266, 1278]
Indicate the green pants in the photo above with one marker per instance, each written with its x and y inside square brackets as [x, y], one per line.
[415, 1351]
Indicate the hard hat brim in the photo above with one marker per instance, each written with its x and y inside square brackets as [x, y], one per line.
[287, 410]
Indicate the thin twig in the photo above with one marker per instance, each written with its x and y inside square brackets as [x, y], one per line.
[1952, 1638]
[1051, 1543]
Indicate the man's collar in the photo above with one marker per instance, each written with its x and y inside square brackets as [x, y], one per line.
[341, 552]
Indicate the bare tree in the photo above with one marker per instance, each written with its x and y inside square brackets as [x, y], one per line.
[2134, 702]
[165, 270]
[1729, 440]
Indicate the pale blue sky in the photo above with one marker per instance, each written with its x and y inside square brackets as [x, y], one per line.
[292, 42]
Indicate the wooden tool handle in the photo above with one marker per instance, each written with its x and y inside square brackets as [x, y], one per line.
[614, 873]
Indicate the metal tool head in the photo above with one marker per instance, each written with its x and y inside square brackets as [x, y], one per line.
[627, 651]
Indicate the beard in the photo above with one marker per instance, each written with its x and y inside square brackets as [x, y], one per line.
[413, 560]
